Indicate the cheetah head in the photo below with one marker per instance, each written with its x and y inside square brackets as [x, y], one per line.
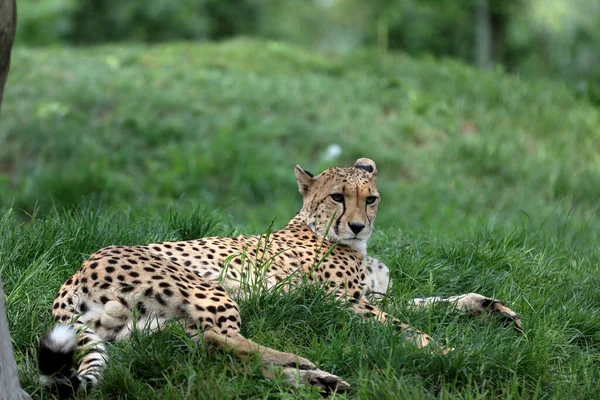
[340, 204]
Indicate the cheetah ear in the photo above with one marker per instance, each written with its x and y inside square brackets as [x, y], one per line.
[304, 178]
[366, 165]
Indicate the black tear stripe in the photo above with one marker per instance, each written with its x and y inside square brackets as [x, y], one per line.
[336, 227]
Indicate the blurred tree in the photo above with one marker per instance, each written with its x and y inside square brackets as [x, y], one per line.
[436, 27]
[384, 12]
[97, 21]
[484, 56]
[474, 30]
[493, 19]
[227, 18]
[44, 22]
[8, 21]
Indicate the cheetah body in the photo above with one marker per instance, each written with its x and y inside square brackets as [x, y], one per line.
[212, 270]
[122, 287]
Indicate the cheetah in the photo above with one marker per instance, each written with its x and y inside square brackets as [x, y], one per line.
[120, 289]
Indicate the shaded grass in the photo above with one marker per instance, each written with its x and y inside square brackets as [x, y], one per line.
[557, 357]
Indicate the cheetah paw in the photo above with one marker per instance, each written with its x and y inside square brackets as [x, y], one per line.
[505, 314]
[477, 304]
[326, 382]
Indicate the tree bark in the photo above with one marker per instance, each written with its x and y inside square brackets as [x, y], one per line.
[8, 24]
[10, 389]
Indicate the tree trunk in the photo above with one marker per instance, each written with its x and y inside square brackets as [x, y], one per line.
[10, 389]
[382, 34]
[484, 35]
[499, 21]
[8, 23]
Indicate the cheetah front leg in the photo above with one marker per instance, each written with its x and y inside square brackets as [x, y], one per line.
[474, 304]
[377, 283]
[363, 308]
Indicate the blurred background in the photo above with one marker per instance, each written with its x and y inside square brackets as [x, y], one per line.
[554, 38]
[477, 111]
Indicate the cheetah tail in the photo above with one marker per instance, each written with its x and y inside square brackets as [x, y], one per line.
[56, 360]
[56, 364]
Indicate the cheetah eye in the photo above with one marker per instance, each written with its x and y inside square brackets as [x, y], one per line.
[338, 197]
[371, 199]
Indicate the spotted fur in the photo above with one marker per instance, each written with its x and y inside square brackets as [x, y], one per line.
[120, 287]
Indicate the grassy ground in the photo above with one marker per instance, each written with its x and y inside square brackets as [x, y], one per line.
[493, 181]
[553, 288]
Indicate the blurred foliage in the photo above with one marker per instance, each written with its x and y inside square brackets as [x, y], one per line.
[556, 38]
[43, 22]
[560, 39]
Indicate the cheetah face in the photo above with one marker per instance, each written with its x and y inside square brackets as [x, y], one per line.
[340, 204]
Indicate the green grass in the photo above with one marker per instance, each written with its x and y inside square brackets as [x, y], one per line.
[493, 181]
[557, 356]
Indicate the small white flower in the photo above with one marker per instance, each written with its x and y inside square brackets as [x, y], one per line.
[333, 151]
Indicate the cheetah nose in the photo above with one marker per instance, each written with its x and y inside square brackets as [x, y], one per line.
[356, 227]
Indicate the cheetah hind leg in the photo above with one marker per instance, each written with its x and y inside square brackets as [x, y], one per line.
[295, 370]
